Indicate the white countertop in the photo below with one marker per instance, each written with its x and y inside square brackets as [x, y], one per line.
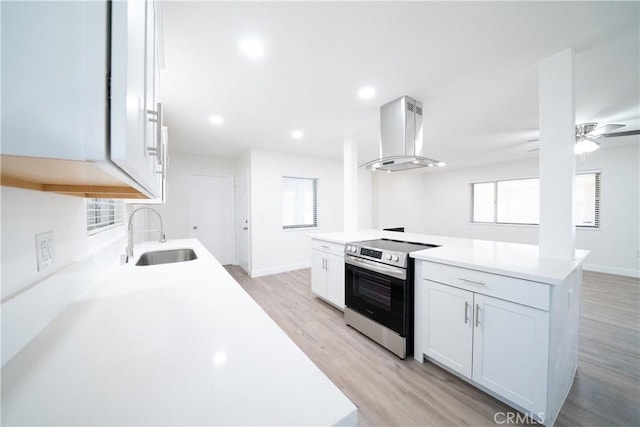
[172, 344]
[509, 259]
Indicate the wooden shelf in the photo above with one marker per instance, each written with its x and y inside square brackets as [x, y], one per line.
[71, 177]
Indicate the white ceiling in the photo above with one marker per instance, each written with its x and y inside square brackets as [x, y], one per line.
[474, 65]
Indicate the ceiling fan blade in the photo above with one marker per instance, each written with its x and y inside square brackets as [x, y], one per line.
[600, 130]
[625, 133]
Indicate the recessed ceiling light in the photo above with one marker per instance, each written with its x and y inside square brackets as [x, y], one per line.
[367, 92]
[296, 134]
[219, 358]
[216, 120]
[441, 164]
[252, 48]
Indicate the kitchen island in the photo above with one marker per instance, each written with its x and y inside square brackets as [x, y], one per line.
[170, 344]
[496, 314]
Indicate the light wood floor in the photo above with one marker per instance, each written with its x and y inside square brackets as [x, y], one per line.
[392, 392]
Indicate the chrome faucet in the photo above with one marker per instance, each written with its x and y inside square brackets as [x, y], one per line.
[130, 231]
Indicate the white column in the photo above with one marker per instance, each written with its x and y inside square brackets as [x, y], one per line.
[557, 159]
[350, 175]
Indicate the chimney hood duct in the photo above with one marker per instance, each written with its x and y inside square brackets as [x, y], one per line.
[401, 137]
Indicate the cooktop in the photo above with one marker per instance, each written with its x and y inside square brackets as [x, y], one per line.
[394, 245]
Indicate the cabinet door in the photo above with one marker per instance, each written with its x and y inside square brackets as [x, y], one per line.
[510, 351]
[129, 38]
[318, 274]
[153, 129]
[54, 79]
[448, 326]
[335, 280]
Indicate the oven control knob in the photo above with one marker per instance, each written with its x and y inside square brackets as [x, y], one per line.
[388, 257]
[354, 249]
[348, 248]
[395, 258]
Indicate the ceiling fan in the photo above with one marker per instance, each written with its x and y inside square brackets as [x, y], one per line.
[590, 135]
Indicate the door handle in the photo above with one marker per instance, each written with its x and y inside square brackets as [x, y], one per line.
[466, 312]
[195, 227]
[156, 117]
[475, 282]
[477, 315]
[245, 228]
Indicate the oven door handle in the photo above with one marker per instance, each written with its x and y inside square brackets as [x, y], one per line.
[387, 270]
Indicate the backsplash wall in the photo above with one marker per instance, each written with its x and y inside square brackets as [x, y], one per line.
[26, 213]
[32, 299]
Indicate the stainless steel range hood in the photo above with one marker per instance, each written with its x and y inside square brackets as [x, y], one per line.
[401, 137]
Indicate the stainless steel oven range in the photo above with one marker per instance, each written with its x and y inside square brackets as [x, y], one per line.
[379, 291]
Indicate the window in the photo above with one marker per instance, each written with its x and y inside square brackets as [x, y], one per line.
[103, 213]
[299, 202]
[587, 199]
[517, 201]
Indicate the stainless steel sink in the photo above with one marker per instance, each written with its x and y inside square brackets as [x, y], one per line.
[166, 257]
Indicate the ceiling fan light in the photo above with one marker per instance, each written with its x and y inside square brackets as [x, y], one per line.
[586, 146]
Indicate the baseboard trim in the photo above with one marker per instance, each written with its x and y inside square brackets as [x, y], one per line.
[279, 269]
[629, 272]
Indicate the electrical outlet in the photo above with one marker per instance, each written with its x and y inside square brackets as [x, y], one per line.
[45, 249]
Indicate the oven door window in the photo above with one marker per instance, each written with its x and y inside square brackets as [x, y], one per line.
[376, 296]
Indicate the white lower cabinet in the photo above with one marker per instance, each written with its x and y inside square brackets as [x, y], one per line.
[466, 323]
[327, 272]
[510, 351]
[451, 345]
[498, 344]
[318, 273]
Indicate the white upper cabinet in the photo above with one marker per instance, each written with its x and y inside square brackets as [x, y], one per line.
[80, 85]
[128, 103]
[136, 126]
[54, 87]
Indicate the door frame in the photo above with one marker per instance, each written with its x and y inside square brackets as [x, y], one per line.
[238, 219]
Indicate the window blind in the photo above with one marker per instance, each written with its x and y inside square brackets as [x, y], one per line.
[587, 199]
[104, 213]
[299, 202]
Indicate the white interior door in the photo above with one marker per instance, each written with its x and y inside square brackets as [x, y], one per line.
[242, 220]
[211, 214]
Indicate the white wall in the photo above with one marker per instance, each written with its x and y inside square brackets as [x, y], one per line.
[26, 213]
[32, 299]
[274, 249]
[616, 246]
[175, 212]
[439, 203]
[397, 200]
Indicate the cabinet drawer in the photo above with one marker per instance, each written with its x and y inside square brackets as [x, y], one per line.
[525, 292]
[329, 247]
